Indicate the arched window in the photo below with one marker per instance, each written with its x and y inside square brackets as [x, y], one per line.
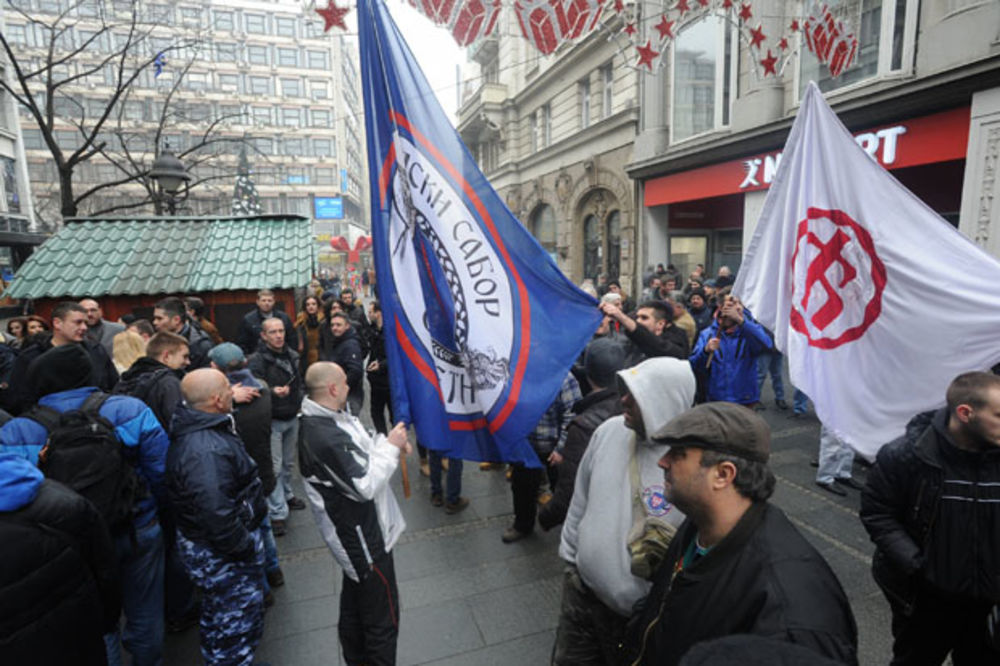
[591, 247]
[613, 232]
[543, 228]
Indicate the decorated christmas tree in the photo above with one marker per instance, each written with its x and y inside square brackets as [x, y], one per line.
[245, 199]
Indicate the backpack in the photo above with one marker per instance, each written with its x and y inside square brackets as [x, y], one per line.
[83, 453]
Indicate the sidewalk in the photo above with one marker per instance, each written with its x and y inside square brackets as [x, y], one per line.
[468, 599]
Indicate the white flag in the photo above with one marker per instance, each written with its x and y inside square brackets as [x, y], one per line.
[877, 301]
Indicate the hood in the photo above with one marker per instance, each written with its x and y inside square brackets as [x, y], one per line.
[662, 387]
[142, 366]
[19, 482]
[187, 420]
[245, 377]
[312, 408]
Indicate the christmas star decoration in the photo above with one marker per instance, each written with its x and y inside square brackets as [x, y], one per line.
[646, 55]
[682, 6]
[783, 44]
[746, 13]
[619, 6]
[333, 16]
[665, 27]
[794, 27]
[727, 4]
[703, 3]
[757, 36]
[630, 29]
[769, 62]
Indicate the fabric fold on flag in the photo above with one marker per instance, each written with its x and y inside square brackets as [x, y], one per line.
[481, 326]
[877, 301]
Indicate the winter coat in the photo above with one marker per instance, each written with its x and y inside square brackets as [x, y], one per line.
[199, 344]
[156, 385]
[248, 336]
[22, 393]
[345, 351]
[591, 411]
[702, 318]
[58, 586]
[762, 579]
[732, 376]
[279, 369]
[347, 473]
[933, 512]
[135, 426]
[309, 337]
[104, 334]
[213, 485]
[379, 379]
[643, 344]
[253, 425]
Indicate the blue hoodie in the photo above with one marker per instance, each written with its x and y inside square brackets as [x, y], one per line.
[19, 482]
[135, 426]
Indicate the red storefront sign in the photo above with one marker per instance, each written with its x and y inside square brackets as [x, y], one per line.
[940, 137]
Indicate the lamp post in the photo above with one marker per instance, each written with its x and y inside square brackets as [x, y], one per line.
[169, 174]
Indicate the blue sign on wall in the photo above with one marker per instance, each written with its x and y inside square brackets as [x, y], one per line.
[329, 208]
[343, 181]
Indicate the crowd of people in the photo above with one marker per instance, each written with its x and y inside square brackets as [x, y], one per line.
[147, 468]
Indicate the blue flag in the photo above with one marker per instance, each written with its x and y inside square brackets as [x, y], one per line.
[158, 64]
[481, 327]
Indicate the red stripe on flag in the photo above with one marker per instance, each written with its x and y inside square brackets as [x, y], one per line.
[467, 425]
[415, 358]
[522, 360]
[383, 177]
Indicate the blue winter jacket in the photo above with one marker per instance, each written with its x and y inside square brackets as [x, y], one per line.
[135, 425]
[732, 377]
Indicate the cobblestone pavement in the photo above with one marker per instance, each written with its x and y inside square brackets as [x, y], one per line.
[469, 599]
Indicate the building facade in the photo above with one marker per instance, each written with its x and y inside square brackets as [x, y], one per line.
[259, 72]
[923, 98]
[553, 134]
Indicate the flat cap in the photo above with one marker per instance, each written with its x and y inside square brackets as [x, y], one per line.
[719, 426]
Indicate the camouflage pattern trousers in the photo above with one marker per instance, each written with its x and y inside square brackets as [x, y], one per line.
[232, 604]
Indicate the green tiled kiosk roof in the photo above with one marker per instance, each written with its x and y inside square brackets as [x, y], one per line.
[157, 255]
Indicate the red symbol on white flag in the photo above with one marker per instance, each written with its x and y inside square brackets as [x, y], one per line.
[838, 278]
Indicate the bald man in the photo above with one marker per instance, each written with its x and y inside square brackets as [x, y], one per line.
[218, 503]
[347, 474]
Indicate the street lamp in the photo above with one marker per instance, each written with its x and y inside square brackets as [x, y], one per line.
[169, 173]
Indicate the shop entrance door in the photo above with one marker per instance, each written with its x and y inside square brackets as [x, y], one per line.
[686, 252]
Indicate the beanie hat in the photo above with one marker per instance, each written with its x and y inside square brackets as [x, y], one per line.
[227, 356]
[602, 359]
[60, 369]
[697, 292]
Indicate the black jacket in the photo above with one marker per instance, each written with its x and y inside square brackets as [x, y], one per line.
[671, 342]
[279, 369]
[199, 344]
[594, 409]
[248, 336]
[379, 379]
[253, 424]
[762, 579]
[933, 511]
[345, 351]
[22, 393]
[702, 318]
[156, 385]
[213, 484]
[58, 587]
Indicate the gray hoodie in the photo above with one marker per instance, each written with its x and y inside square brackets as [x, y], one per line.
[595, 533]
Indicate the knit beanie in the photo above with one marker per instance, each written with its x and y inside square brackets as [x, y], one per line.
[602, 359]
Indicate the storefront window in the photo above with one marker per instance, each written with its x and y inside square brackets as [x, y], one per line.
[543, 228]
[614, 235]
[885, 43]
[591, 247]
[703, 78]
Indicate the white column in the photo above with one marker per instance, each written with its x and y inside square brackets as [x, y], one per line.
[980, 216]
[753, 203]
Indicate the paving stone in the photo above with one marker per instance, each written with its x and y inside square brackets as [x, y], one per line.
[535, 649]
[299, 617]
[435, 632]
[308, 579]
[320, 647]
[518, 611]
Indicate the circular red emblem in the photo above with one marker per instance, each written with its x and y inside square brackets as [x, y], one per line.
[838, 279]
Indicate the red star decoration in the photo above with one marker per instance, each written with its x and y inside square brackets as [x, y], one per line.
[783, 44]
[333, 16]
[646, 55]
[682, 6]
[703, 3]
[757, 36]
[619, 6]
[746, 13]
[630, 29]
[665, 27]
[769, 62]
[727, 4]
[794, 27]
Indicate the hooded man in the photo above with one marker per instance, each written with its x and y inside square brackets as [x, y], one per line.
[619, 522]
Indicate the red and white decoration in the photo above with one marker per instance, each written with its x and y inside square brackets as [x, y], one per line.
[857, 278]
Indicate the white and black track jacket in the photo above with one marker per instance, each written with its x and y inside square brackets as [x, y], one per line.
[347, 476]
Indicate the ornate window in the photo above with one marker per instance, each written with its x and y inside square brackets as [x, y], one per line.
[543, 228]
[613, 234]
[591, 247]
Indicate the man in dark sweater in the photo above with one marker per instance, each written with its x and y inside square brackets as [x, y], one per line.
[652, 333]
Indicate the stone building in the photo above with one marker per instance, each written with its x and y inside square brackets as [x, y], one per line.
[923, 98]
[553, 134]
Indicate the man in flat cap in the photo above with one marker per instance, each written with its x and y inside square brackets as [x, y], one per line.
[737, 565]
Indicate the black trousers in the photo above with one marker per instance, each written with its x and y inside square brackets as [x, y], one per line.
[940, 625]
[524, 484]
[369, 616]
[378, 403]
